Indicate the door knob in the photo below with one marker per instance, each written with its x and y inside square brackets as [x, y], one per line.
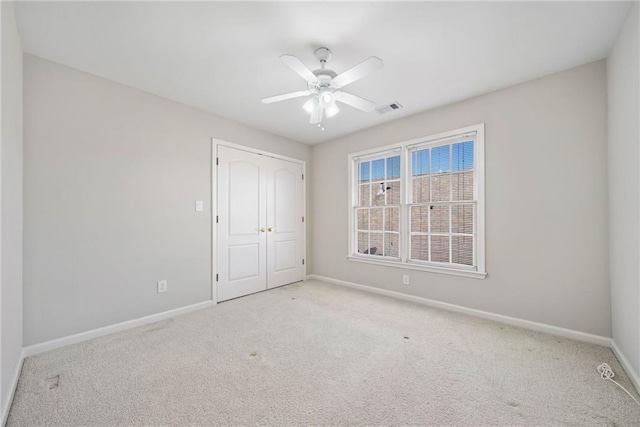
[270, 229]
[262, 229]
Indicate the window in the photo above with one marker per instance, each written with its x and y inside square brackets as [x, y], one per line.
[377, 209]
[420, 204]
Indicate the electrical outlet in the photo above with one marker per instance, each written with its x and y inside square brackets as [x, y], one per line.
[162, 286]
[405, 279]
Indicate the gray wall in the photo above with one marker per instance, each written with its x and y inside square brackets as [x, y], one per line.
[623, 72]
[111, 176]
[546, 202]
[11, 210]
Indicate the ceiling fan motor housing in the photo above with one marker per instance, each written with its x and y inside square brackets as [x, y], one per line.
[325, 80]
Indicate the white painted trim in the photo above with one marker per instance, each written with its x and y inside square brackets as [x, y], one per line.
[6, 405]
[215, 143]
[421, 140]
[513, 321]
[420, 267]
[479, 150]
[106, 330]
[306, 219]
[214, 215]
[626, 365]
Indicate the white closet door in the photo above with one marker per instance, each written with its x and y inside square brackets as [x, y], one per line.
[242, 246]
[285, 207]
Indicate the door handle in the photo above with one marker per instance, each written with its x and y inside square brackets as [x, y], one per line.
[262, 229]
[270, 229]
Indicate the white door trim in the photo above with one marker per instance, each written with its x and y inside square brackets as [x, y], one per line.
[215, 142]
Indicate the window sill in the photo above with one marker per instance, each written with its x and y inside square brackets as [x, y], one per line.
[406, 266]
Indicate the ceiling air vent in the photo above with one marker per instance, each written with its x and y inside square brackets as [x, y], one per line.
[384, 109]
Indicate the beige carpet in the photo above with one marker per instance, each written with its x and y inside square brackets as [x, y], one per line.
[314, 353]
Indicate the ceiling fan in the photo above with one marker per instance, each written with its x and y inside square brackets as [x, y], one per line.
[325, 85]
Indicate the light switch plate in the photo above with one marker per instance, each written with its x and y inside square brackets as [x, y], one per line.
[199, 205]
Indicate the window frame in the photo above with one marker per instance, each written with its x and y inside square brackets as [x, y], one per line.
[405, 147]
[370, 158]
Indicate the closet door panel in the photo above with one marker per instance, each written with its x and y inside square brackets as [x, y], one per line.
[284, 218]
[285, 199]
[242, 246]
[285, 255]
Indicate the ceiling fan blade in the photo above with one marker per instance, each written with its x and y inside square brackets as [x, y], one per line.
[363, 69]
[316, 116]
[296, 65]
[355, 101]
[285, 96]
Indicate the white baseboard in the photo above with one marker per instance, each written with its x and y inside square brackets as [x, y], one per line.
[84, 336]
[6, 404]
[633, 375]
[513, 321]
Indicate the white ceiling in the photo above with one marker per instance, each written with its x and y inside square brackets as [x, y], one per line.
[223, 57]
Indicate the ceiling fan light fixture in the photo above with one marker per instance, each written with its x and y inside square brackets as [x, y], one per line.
[331, 110]
[328, 98]
[310, 105]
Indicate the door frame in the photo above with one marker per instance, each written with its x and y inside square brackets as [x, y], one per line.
[215, 143]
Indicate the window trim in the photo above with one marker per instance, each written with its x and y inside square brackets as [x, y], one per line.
[404, 147]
